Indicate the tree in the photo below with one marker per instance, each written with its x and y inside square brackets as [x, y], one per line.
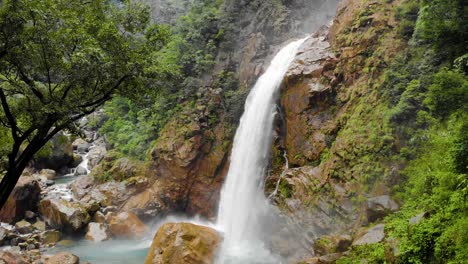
[61, 60]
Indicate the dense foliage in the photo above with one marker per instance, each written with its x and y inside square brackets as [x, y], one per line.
[427, 88]
[61, 60]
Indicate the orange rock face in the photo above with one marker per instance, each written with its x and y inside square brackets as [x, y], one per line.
[183, 243]
[127, 225]
[24, 197]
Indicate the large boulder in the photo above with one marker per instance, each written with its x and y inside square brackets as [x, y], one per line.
[24, 197]
[50, 237]
[63, 258]
[97, 232]
[9, 257]
[183, 243]
[126, 225]
[370, 236]
[24, 227]
[59, 156]
[48, 174]
[379, 207]
[64, 215]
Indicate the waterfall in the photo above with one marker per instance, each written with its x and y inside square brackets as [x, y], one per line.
[244, 209]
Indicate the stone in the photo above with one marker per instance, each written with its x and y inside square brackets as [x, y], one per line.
[80, 170]
[51, 237]
[39, 225]
[29, 215]
[61, 155]
[49, 182]
[24, 197]
[64, 215]
[372, 235]
[83, 148]
[183, 243]
[97, 232]
[63, 258]
[418, 218]
[126, 225]
[81, 186]
[99, 218]
[3, 235]
[379, 207]
[326, 245]
[66, 243]
[24, 227]
[9, 257]
[48, 174]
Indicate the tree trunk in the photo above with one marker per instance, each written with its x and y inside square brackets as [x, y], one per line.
[8, 184]
[16, 168]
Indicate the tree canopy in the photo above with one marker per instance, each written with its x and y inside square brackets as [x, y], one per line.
[61, 60]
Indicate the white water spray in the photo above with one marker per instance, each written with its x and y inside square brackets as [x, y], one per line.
[244, 209]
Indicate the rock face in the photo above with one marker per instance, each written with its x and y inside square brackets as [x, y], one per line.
[9, 257]
[97, 232]
[24, 197]
[371, 236]
[379, 207]
[64, 215]
[126, 225]
[183, 243]
[190, 159]
[61, 154]
[63, 258]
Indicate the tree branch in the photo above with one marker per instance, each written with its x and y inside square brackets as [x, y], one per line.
[9, 115]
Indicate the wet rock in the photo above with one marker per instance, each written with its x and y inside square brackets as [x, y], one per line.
[77, 159]
[9, 257]
[332, 244]
[61, 156]
[81, 186]
[83, 148]
[48, 174]
[379, 207]
[3, 235]
[95, 155]
[127, 225]
[24, 227]
[372, 235]
[24, 197]
[63, 258]
[80, 170]
[39, 225]
[49, 182]
[29, 215]
[183, 243]
[97, 232]
[51, 237]
[62, 214]
[99, 218]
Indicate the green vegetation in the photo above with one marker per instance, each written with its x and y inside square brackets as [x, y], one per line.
[427, 88]
[60, 61]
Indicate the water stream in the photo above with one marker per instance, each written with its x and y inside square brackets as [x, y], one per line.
[244, 210]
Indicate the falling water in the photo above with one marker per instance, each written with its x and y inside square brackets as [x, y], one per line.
[244, 209]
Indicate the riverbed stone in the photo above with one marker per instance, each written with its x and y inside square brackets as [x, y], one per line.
[63, 258]
[126, 225]
[23, 227]
[24, 197]
[48, 174]
[51, 237]
[39, 225]
[64, 215]
[183, 243]
[97, 232]
[10, 257]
